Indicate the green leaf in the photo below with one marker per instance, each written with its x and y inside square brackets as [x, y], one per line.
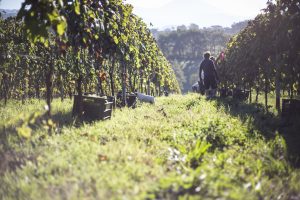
[116, 39]
[77, 7]
[24, 131]
[131, 48]
[124, 38]
[52, 16]
[91, 14]
[61, 27]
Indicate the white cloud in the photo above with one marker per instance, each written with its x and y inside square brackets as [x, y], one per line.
[148, 3]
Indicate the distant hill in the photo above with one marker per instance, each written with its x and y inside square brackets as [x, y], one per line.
[234, 29]
[8, 13]
[184, 45]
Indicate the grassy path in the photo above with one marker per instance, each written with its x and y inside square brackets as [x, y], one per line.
[181, 147]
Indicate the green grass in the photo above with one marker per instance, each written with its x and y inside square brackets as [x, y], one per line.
[271, 100]
[183, 147]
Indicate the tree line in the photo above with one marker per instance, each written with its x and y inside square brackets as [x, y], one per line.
[184, 48]
[265, 56]
[57, 48]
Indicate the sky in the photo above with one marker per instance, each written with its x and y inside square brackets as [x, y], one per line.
[167, 13]
[205, 13]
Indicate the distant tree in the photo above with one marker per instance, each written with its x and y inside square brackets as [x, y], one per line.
[193, 27]
[181, 28]
[215, 27]
[184, 49]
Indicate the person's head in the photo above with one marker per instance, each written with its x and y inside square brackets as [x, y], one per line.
[207, 55]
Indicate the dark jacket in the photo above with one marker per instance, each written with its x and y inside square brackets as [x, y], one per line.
[209, 69]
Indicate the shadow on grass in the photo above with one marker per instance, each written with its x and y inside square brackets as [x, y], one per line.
[53, 125]
[11, 158]
[256, 117]
[65, 119]
[9, 133]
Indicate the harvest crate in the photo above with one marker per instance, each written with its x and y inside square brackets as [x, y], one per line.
[130, 99]
[93, 107]
[240, 94]
[290, 107]
[225, 92]
[113, 100]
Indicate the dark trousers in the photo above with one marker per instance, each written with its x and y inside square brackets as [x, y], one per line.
[210, 81]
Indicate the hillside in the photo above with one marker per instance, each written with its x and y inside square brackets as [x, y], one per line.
[183, 146]
[184, 47]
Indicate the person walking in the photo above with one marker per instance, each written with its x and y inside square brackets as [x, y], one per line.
[210, 77]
